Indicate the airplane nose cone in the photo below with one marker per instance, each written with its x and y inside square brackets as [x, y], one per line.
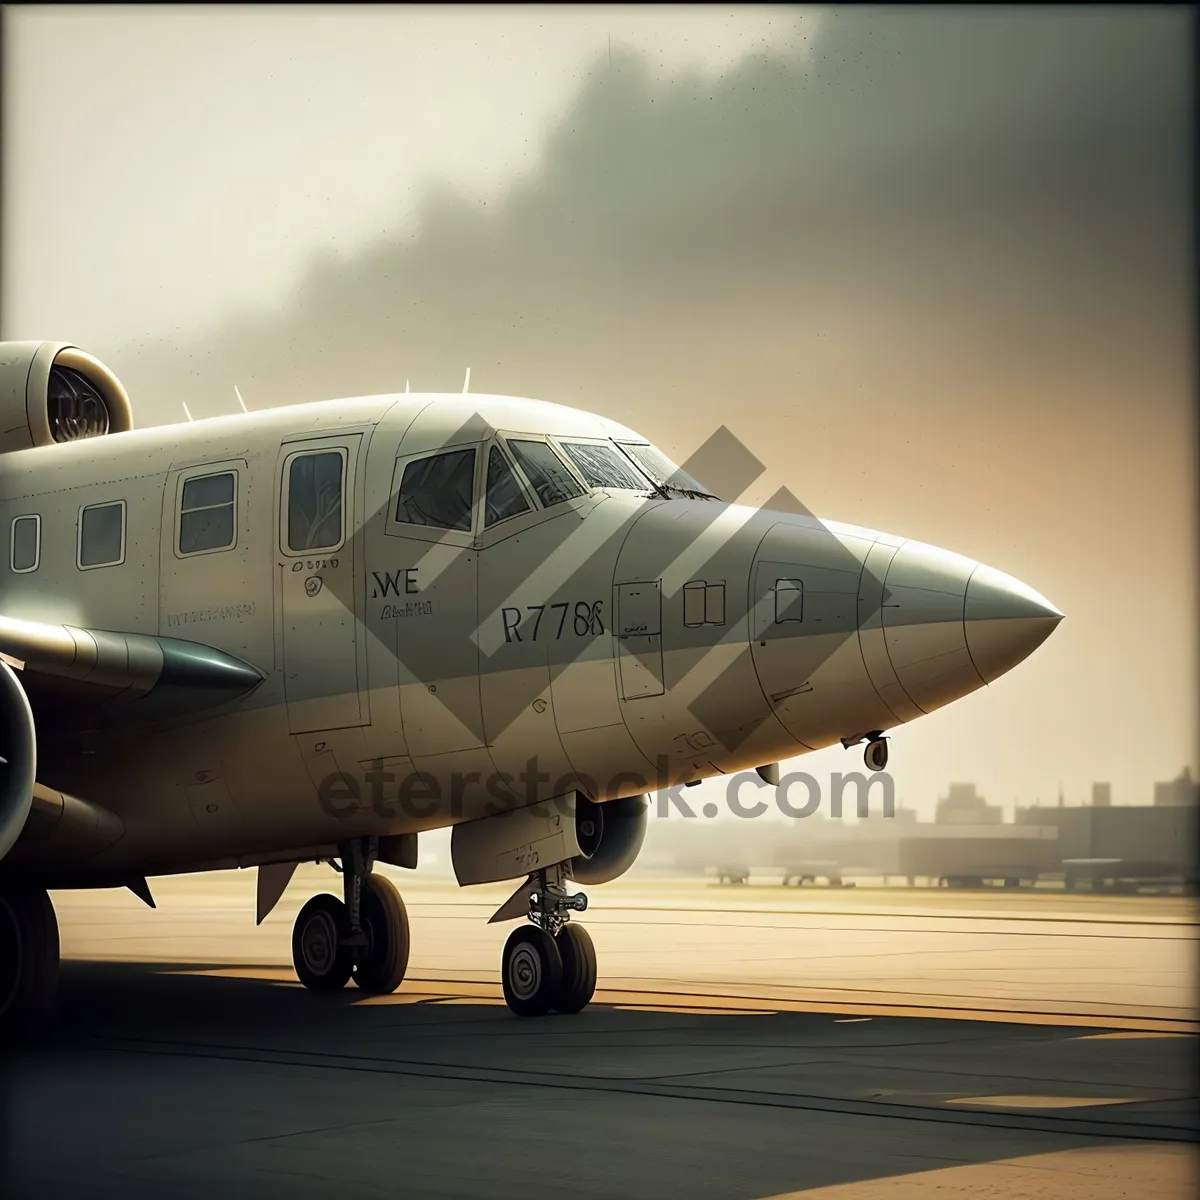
[1006, 621]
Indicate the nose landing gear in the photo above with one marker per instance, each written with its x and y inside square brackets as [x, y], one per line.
[876, 753]
[549, 964]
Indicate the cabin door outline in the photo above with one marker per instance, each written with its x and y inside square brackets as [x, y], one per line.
[318, 580]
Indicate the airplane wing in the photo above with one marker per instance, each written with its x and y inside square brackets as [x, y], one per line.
[92, 677]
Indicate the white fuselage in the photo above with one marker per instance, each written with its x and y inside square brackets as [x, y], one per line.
[413, 673]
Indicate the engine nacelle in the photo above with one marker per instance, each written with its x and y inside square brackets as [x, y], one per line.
[53, 392]
[610, 836]
[600, 841]
[18, 757]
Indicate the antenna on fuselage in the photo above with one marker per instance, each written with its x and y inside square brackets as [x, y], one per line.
[467, 382]
[240, 400]
[187, 412]
[406, 387]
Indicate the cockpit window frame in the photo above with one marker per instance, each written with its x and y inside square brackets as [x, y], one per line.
[560, 444]
[667, 491]
[564, 460]
[531, 500]
[536, 515]
[437, 533]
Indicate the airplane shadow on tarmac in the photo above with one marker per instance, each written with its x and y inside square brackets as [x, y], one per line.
[199, 1079]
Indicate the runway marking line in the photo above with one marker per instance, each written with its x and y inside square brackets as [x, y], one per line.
[1042, 1101]
[1090, 1127]
[1131, 1033]
[697, 1012]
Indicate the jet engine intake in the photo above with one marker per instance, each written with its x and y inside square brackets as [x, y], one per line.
[53, 392]
[18, 757]
[610, 836]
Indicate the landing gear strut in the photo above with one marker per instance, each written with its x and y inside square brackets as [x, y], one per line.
[363, 936]
[549, 964]
[28, 961]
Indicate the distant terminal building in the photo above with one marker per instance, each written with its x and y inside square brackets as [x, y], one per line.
[1126, 841]
[1177, 792]
[962, 805]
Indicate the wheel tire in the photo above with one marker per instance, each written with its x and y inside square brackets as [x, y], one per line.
[531, 971]
[28, 962]
[322, 960]
[876, 755]
[385, 922]
[578, 969]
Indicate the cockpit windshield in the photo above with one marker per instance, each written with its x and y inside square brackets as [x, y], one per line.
[668, 478]
[602, 466]
[546, 472]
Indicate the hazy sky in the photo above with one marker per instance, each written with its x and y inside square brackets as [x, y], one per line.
[933, 266]
[190, 159]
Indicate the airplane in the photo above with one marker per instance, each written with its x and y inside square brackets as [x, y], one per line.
[311, 633]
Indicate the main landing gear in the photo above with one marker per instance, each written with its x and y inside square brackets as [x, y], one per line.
[549, 964]
[28, 961]
[363, 936]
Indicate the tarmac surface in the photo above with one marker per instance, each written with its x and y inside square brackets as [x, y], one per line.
[745, 1042]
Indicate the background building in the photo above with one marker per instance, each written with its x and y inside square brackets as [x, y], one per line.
[1178, 791]
[962, 805]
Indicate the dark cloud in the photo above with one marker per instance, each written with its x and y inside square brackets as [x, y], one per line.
[973, 169]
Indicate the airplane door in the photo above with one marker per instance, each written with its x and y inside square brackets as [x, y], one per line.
[317, 578]
[430, 582]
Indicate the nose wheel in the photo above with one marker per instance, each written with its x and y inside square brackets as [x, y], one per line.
[876, 754]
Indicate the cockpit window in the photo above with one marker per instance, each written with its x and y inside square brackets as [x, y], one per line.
[602, 466]
[503, 497]
[437, 491]
[546, 472]
[668, 478]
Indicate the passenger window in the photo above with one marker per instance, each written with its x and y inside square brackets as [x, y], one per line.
[25, 544]
[601, 466]
[315, 501]
[546, 472]
[207, 517]
[438, 491]
[102, 535]
[503, 497]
